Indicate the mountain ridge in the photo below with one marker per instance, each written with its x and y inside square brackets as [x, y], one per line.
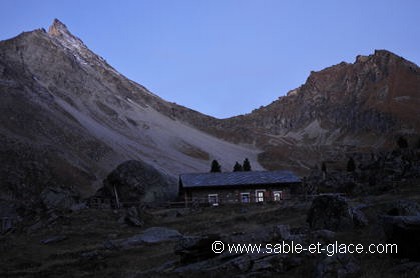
[344, 108]
[68, 113]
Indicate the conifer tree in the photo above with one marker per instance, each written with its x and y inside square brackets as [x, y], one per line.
[237, 167]
[215, 167]
[246, 165]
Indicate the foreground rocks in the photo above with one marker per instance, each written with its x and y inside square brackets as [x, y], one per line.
[330, 212]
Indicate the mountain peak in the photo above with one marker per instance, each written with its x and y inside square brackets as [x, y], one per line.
[58, 28]
[59, 32]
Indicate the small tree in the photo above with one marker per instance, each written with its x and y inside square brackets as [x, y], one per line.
[237, 167]
[247, 165]
[402, 143]
[351, 165]
[215, 167]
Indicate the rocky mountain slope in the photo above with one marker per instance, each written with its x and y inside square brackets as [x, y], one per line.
[349, 107]
[68, 118]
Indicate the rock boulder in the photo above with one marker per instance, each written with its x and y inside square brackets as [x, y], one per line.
[136, 181]
[330, 212]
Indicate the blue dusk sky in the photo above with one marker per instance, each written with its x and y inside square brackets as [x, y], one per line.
[225, 58]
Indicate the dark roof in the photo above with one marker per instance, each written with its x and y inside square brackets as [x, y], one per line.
[238, 178]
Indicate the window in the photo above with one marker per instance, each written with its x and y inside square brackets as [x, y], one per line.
[259, 196]
[277, 196]
[245, 197]
[213, 199]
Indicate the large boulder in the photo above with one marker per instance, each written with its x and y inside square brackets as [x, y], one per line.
[330, 212]
[137, 181]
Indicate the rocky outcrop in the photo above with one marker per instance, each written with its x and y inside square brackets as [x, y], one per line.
[351, 97]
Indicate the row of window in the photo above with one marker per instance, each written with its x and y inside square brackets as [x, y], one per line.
[246, 197]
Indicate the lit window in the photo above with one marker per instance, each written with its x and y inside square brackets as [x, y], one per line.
[277, 195]
[259, 196]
